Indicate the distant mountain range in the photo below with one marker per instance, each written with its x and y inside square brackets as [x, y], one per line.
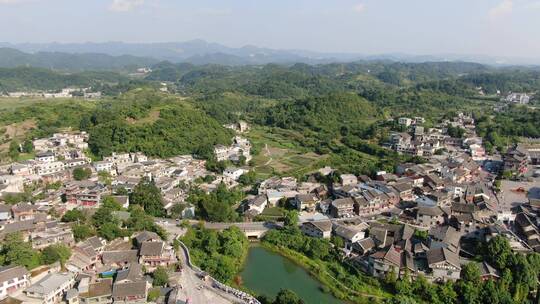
[10, 58]
[120, 54]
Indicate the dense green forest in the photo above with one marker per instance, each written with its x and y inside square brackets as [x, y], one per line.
[12, 58]
[156, 124]
[336, 110]
[33, 79]
[311, 116]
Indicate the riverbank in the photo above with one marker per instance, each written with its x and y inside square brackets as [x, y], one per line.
[318, 270]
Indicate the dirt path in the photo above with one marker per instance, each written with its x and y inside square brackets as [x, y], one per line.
[267, 153]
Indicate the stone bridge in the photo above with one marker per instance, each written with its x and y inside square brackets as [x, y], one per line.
[253, 230]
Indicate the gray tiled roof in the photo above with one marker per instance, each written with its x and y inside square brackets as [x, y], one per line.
[151, 248]
[122, 290]
[10, 272]
[49, 283]
[119, 256]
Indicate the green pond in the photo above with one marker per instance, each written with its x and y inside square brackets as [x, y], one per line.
[266, 273]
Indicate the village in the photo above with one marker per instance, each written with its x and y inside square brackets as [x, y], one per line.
[86, 93]
[423, 219]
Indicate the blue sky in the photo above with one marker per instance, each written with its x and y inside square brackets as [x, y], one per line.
[487, 27]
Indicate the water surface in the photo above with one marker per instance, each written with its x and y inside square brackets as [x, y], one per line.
[267, 273]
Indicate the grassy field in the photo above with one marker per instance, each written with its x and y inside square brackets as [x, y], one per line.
[280, 153]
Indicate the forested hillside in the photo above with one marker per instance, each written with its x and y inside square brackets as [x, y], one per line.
[12, 58]
[339, 111]
[153, 123]
[32, 79]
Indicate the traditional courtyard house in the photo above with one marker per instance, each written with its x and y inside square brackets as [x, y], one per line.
[104, 166]
[364, 246]
[256, 205]
[527, 229]
[444, 264]
[442, 198]
[119, 258]
[233, 173]
[384, 261]
[444, 237]
[349, 235]
[429, 216]
[488, 272]
[146, 236]
[130, 286]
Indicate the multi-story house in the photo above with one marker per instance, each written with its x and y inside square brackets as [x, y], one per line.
[24, 211]
[153, 254]
[106, 166]
[342, 207]
[12, 278]
[49, 167]
[319, 229]
[384, 261]
[515, 161]
[306, 202]
[51, 288]
[45, 157]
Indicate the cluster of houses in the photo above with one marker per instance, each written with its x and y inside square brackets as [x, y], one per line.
[58, 156]
[419, 220]
[430, 210]
[517, 98]
[87, 93]
[426, 142]
[414, 220]
[94, 273]
[49, 179]
[238, 152]
[520, 157]
[239, 127]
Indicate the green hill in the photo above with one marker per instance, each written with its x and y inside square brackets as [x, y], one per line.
[155, 124]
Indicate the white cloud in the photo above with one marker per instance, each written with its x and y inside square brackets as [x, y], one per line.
[502, 9]
[359, 8]
[123, 5]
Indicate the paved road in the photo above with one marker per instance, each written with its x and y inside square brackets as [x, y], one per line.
[195, 289]
[509, 198]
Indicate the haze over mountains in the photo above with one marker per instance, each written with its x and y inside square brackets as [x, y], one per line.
[118, 55]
